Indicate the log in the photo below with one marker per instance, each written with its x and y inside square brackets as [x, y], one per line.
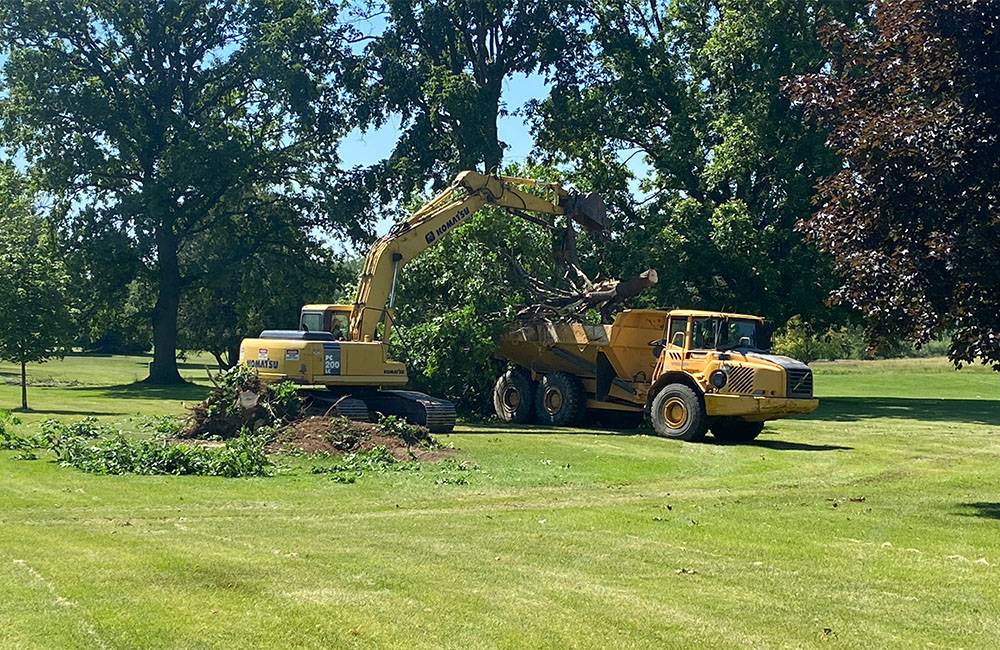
[624, 289]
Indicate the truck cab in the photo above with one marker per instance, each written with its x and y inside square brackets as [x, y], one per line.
[724, 360]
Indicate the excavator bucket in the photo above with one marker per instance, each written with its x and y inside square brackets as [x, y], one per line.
[589, 211]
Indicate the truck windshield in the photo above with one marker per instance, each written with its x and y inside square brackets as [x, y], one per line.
[711, 333]
[737, 333]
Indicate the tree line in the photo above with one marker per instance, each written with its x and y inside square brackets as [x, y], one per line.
[173, 171]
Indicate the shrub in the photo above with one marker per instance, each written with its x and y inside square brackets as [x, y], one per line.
[350, 467]
[13, 442]
[166, 426]
[240, 457]
[88, 427]
[411, 434]
[801, 341]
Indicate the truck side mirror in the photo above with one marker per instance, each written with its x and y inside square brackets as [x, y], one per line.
[764, 334]
[678, 340]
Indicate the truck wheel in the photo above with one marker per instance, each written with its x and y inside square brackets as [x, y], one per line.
[620, 420]
[560, 400]
[677, 412]
[513, 397]
[735, 430]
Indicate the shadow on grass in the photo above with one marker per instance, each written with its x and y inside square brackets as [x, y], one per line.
[139, 390]
[987, 509]
[852, 409]
[777, 445]
[534, 429]
[80, 412]
[492, 428]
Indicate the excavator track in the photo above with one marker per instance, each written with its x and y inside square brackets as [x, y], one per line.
[351, 408]
[438, 415]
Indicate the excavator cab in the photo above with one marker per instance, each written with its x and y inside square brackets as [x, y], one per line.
[335, 319]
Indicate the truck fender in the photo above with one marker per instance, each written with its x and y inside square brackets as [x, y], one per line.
[674, 377]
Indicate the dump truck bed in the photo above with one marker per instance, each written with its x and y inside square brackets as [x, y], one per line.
[621, 350]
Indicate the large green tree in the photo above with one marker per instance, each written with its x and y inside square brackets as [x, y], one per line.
[439, 67]
[34, 318]
[913, 104]
[279, 266]
[693, 89]
[159, 116]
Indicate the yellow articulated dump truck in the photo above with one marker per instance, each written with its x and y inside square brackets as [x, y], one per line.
[345, 348]
[689, 371]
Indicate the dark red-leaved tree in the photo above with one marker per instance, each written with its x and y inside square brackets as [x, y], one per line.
[912, 101]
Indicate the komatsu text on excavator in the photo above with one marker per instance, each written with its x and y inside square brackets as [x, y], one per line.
[345, 347]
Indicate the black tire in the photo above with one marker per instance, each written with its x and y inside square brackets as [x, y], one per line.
[734, 430]
[620, 420]
[514, 397]
[676, 412]
[560, 400]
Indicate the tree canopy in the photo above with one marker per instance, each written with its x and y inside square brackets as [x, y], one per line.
[439, 67]
[913, 106]
[693, 89]
[162, 118]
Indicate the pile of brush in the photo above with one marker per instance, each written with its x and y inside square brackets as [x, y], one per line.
[240, 400]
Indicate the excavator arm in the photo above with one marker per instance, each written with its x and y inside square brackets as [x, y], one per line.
[469, 193]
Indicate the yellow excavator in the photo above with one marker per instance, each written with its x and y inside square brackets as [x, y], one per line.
[345, 347]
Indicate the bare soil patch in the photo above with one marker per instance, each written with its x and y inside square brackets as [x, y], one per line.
[337, 435]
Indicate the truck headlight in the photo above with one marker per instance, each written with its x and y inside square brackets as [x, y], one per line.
[719, 378]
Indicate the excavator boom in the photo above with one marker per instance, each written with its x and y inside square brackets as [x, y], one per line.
[469, 193]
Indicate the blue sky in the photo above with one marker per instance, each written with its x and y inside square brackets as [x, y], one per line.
[365, 148]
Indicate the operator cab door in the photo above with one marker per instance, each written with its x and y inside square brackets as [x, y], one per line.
[677, 337]
[702, 339]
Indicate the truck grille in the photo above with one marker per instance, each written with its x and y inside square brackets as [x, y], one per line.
[800, 382]
[741, 380]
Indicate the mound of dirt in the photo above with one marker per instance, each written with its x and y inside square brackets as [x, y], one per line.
[341, 436]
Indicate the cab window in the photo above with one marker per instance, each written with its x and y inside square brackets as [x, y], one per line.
[703, 333]
[339, 327]
[311, 321]
[677, 325]
[737, 333]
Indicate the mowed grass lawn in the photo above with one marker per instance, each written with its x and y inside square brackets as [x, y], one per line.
[873, 523]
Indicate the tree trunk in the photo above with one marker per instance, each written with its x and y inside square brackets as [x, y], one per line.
[163, 370]
[493, 155]
[492, 150]
[227, 359]
[24, 387]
